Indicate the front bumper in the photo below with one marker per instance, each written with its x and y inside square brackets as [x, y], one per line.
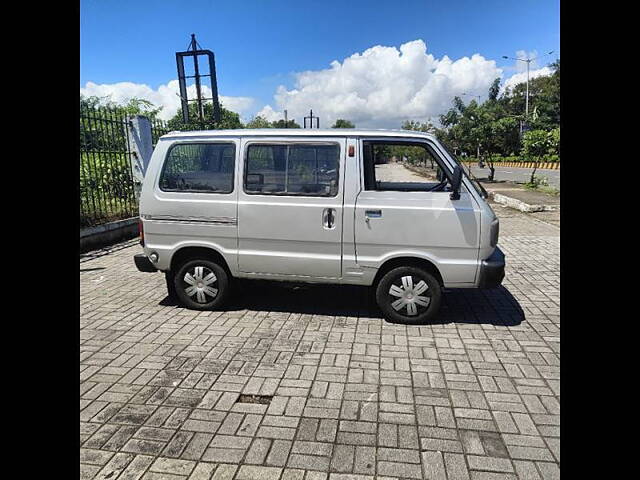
[143, 264]
[492, 270]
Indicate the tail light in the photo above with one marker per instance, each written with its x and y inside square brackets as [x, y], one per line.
[141, 231]
[495, 232]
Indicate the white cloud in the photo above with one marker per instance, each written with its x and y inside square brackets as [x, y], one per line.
[269, 114]
[379, 88]
[165, 96]
[522, 77]
[383, 86]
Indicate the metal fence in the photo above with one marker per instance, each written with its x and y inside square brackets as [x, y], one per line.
[158, 128]
[106, 181]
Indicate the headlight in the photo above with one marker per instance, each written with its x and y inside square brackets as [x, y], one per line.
[495, 231]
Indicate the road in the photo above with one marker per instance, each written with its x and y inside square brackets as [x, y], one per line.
[518, 174]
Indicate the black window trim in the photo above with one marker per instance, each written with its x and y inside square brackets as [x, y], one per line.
[288, 143]
[404, 141]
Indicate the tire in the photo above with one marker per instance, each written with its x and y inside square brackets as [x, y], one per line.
[209, 293]
[171, 289]
[406, 283]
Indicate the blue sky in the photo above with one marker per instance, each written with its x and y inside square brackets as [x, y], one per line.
[260, 45]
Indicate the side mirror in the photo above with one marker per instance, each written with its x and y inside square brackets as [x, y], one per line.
[456, 180]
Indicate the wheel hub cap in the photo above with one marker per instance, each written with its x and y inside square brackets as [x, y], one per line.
[409, 297]
[201, 282]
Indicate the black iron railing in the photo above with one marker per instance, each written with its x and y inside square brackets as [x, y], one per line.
[106, 181]
[158, 128]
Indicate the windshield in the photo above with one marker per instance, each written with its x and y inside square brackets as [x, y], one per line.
[479, 188]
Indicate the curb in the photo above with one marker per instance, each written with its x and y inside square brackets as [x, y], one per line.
[108, 233]
[541, 166]
[519, 204]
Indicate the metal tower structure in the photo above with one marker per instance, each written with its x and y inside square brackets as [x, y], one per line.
[195, 51]
[311, 118]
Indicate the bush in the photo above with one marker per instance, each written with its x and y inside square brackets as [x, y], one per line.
[106, 187]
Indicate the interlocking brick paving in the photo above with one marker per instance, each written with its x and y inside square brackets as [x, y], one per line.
[473, 396]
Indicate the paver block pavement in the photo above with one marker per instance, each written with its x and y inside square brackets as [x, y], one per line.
[473, 395]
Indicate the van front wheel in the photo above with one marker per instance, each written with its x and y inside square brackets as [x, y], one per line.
[408, 295]
[201, 285]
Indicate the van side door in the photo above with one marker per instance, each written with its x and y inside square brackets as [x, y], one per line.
[290, 207]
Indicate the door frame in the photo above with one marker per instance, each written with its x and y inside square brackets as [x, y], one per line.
[336, 202]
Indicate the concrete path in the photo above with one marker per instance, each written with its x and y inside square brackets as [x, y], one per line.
[396, 172]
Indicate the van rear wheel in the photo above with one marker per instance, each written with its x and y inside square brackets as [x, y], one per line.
[201, 284]
[409, 295]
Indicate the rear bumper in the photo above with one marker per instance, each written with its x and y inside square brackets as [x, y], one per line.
[492, 270]
[143, 264]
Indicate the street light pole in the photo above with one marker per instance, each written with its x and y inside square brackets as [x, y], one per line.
[526, 101]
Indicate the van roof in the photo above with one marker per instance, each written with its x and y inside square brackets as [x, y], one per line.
[296, 132]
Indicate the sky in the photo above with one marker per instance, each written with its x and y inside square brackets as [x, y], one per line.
[372, 62]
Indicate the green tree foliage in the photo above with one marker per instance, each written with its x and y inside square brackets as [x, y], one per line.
[134, 106]
[494, 90]
[259, 122]
[544, 97]
[282, 124]
[341, 123]
[228, 119]
[536, 144]
[493, 127]
[416, 126]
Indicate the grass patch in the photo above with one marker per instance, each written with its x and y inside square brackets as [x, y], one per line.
[541, 184]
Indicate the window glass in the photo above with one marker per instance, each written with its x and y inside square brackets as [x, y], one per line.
[199, 167]
[303, 169]
[402, 167]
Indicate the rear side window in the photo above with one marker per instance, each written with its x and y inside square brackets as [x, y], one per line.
[199, 168]
[304, 169]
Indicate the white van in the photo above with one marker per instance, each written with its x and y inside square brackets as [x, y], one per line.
[388, 209]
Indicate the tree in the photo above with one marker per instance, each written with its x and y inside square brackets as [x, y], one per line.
[416, 126]
[341, 123]
[555, 141]
[544, 97]
[282, 124]
[134, 106]
[228, 119]
[494, 89]
[259, 122]
[493, 128]
[536, 144]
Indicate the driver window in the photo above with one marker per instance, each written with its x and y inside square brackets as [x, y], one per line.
[401, 167]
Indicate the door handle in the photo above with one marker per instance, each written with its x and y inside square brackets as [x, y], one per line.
[373, 213]
[329, 218]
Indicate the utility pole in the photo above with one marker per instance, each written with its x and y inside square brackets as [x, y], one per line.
[286, 122]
